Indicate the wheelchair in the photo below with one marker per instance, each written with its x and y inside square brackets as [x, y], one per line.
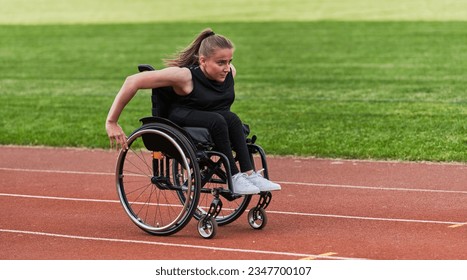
[170, 174]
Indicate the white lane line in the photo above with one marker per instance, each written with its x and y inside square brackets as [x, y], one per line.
[366, 218]
[56, 171]
[269, 211]
[280, 182]
[458, 225]
[237, 250]
[59, 198]
[371, 188]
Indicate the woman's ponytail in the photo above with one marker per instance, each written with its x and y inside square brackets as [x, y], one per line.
[190, 55]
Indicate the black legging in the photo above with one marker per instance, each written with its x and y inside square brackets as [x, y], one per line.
[226, 131]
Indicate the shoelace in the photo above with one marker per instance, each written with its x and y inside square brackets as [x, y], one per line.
[258, 173]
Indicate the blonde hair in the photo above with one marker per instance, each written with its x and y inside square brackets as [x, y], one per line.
[204, 44]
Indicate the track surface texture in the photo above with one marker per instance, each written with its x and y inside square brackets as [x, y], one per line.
[62, 204]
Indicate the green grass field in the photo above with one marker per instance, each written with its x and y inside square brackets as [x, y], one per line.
[358, 87]
[124, 11]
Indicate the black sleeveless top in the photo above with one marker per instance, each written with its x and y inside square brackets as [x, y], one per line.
[207, 95]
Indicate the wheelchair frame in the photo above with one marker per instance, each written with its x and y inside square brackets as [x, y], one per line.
[166, 177]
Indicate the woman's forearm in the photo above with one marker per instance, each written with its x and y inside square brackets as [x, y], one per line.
[126, 93]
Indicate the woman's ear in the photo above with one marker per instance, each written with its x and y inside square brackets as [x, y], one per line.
[202, 60]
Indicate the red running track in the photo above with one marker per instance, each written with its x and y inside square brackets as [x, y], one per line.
[62, 204]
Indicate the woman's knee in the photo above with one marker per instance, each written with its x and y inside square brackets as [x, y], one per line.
[232, 119]
[217, 124]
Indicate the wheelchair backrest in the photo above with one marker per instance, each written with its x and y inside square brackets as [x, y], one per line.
[161, 97]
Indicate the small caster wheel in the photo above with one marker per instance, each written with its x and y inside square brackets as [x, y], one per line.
[207, 227]
[257, 218]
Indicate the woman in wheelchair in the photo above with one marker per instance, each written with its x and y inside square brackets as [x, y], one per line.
[202, 76]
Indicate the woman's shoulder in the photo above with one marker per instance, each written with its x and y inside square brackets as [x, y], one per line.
[233, 70]
[181, 79]
[177, 74]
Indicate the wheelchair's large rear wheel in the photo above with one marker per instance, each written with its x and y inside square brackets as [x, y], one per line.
[145, 179]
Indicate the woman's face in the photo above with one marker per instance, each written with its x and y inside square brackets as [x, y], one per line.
[217, 66]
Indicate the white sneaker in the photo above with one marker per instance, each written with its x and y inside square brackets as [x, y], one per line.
[262, 184]
[242, 186]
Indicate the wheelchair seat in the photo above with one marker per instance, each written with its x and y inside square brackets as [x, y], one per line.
[200, 135]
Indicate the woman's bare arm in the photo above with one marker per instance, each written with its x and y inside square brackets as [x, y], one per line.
[178, 78]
